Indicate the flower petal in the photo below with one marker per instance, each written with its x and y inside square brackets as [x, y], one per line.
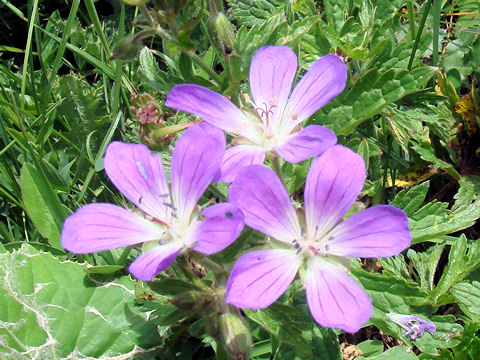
[139, 175]
[309, 142]
[271, 75]
[212, 107]
[261, 196]
[324, 81]
[378, 231]
[98, 227]
[220, 227]
[334, 298]
[259, 278]
[237, 157]
[196, 160]
[333, 183]
[154, 261]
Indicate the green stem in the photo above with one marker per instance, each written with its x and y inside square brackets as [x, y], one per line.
[277, 167]
[419, 33]
[28, 49]
[190, 53]
[203, 65]
[437, 6]
[411, 19]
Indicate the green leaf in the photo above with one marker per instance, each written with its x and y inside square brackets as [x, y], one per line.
[462, 260]
[42, 205]
[53, 311]
[278, 319]
[468, 192]
[252, 12]
[370, 94]
[468, 297]
[447, 335]
[371, 347]
[434, 220]
[426, 264]
[325, 342]
[410, 200]
[397, 353]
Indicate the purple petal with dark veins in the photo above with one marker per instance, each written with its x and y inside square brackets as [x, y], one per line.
[221, 225]
[381, 230]
[271, 75]
[196, 160]
[259, 278]
[237, 157]
[324, 81]
[154, 261]
[334, 298]
[99, 227]
[333, 183]
[312, 141]
[261, 196]
[139, 175]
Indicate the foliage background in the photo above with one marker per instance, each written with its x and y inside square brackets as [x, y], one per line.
[411, 109]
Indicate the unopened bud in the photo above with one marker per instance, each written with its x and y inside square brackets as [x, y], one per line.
[235, 336]
[126, 49]
[221, 33]
[193, 300]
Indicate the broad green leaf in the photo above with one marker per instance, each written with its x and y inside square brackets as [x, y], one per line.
[447, 335]
[410, 200]
[434, 220]
[42, 204]
[325, 342]
[370, 94]
[278, 319]
[468, 297]
[426, 264]
[252, 12]
[370, 348]
[52, 310]
[397, 353]
[468, 192]
[464, 258]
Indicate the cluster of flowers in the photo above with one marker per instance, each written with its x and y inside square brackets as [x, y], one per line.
[312, 240]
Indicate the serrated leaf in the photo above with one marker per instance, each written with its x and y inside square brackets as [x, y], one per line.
[252, 12]
[52, 311]
[370, 94]
[468, 297]
[463, 258]
[410, 200]
[434, 220]
[426, 264]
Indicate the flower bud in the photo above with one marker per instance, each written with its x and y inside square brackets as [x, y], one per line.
[235, 336]
[195, 300]
[221, 32]
[126, 49]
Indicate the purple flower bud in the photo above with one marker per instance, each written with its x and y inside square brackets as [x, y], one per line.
[414, 325]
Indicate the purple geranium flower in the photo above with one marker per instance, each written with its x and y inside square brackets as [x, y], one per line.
[415, 326]
[275, 125]
[171, 220]
[316, 238]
